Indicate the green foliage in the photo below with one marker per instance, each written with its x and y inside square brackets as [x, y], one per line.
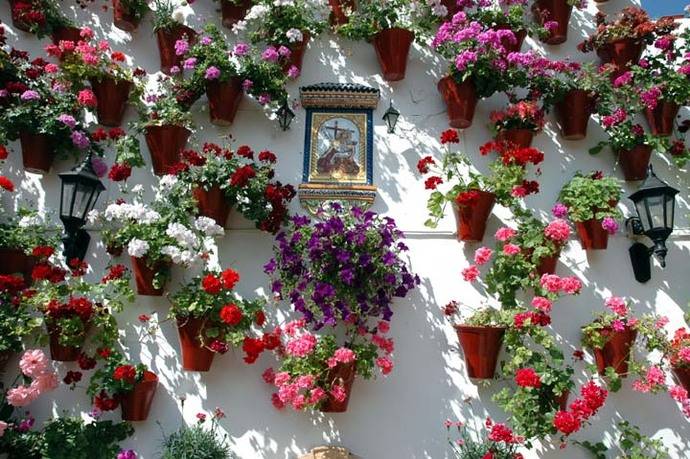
[195, 443]
[135, 8]
[269, 23]
[103, 378]
[590, 197]
[373, 16]
[631, 444]
[163, 15]
[25, 231]
[467, 447]
[16, 321]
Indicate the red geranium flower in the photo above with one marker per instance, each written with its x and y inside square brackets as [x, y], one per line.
[242, 176]
[467, 198]
[424, 163]
[120, 172]
[450, 136]
[245, 152]
[267, 157]
[6, 183]
[3, 152]
[432, 182]
[231, 314]
[527, 377]
[566, 422]
[211, 284]
[230, 278]
[126, 373]
[43, 251]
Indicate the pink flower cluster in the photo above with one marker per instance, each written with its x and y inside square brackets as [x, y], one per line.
[558, 231]
[617, 305]
[555, 284]
[35, 365]
[653, 381]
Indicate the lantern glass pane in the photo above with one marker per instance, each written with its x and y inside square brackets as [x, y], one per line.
[66, 193]
[656, 211]
[670, 211]
[82, 198]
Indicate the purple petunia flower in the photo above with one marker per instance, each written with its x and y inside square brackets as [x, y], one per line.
[181, 47]
[80, 140]
[67, 120]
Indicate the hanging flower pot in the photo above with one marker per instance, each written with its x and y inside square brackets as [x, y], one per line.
[547, 265]
[339, 10]
[15, 261]
[392, 48]
[144, 275]
[123, 18]
[481, 346]
[573, 113]
[553, 10]
[623, 53]
[165, 144]
[234, 11]
[59, 352]
[111, 99]
[224, 98]
[166, 39]
[682, 376]
[509, 46]
[212, 203]
[343, 374]
[661, 120]
[616, 351]
[297, 52]
[521, 138]
[592, 235]
[634, 162]
[18, 8]
[136, 404]
[471, 218]
[195, 355]
[66, 33]
[460, 99]
[37, 152]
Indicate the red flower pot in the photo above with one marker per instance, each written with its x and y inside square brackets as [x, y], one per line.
[66, 33]
[37, 152]
[662, 118]
[166, 45]
[232, 12]
[342, 374]
[15, 261]
[111, 99]
[553, 10]
[58, 351]
[123, 19]
[137, 403]
[17, 20]
[195, 355]
[471, 219]
[165, 144]
[143, 276]
[212, 203]
[519, 40]
[481, 346]
[460, 99]
[521, 138]
[297, 52]
[623, 53]
[224, 99]
[339, 8]
[592, 235]
[573, 114]
[547, 265]
[635, 162]
[616, 351]
[392, 47]
[562, 400]
[683, 376]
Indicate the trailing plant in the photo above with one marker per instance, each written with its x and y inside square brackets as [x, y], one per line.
[498, 442]
[630, 444]
[197, 442]
[524, 114]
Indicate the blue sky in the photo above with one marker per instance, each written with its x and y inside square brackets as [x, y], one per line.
[657, 8]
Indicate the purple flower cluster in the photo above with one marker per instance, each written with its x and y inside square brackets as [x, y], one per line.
[346, 267]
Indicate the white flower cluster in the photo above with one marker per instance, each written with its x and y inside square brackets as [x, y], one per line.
[28, 221]
[437, 8]
[180, 257]
[256, 12]
[184, 236]
[137, 248]
[166, 184]
[294, 35]
[208, 226]
[137, 212]
[283, 2]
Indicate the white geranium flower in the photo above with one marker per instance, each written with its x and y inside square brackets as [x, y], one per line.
[167, 183]
[93, 216]
[138, 189]
[208, 226]
[173, 252]
[283, 2]
[137, 248]
[28, 221]
[182, 235]
[439, 10]
[257, 12]
[178, 15]
[239, 27]
[294, 35]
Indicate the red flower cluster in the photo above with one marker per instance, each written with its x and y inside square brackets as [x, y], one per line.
[527, 377]
[105, 403]
[432, 182]
[120, 172]
[538, 318]
[115, 272]
[126, 373]
[253, 348]
[267, 157]
[28, 13]
[6, 184]
[467, 198]
[230, 278]
[72, 377]
[449, 136]
[231, 314]
[501, 433]
[85, 362]
[193, 158]
[424, 163]
[45, 271]
[11, 284]
[246, 152]
[43, 251]
[211, 284]
[242, 176]
[592, 398]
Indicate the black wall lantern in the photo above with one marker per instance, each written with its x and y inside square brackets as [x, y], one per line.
[78, 195]
[391, 118]
[285, 115]
[655, 204]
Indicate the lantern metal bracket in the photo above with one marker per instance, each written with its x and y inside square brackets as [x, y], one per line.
[641, 253]
[76, 244]
[634, 226]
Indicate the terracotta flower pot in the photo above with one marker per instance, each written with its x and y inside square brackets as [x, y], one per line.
[471, 219]
[232, 12]
[635, 162]
[111, 99]
[339, 8]
[66, 33]
[17, 20]
[59, 352]
[460, 99]
[592, 235]
[143, 276]
[547, 265]
[521, 138]
[137, 403]
[616, 351]
[297, 53]
[683, 376]
[15, 261]
[392, 48]
[342, 374]
[562, 400]
[165, 144]
[166, 39]
[623, 53]
[37, 152]
[224, 99]
[573, 114]
[554, 10]
[519, 40]
[213, 204]
[661, 120]
[481, 346]
[195, 355]
[123, 19]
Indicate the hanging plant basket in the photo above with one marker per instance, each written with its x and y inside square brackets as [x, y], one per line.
[592, 235]
[165, 144]
[195, 355]
[59, 352]
[15, 261]
[481, 346]
[136, 404]
[553, 10]
[460, 99]
[143, 276]
[123, 19]
[234, 12]
[111, 99]
[661, 120]
[212, 203]
[17, 21]
[339, 10]
[392, 48]
[37, 152]
[573, 114]
[521, 138]
[682, 376]
[623, 53]
[634, 162]
[66, 33]
[471, 219]
[224, 98]
[166, 39]
[297, 52]
[616, 351]
[342, 374]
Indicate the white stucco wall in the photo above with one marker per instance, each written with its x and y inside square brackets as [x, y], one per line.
[400, 416]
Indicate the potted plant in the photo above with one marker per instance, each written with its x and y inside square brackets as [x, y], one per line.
[169, 30]
[211, 317]
[498, 443]
[678, 355]
[518, 123]
[554, 16]
[16, 321]
[221, 178]
[42, 18]
[233, 11]
[631, 443]
[23, 239]
[131, 386]
[127, 14]
[192, 441]
[264, 75]
[472, 195]
[341, 10]
[591, 202]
